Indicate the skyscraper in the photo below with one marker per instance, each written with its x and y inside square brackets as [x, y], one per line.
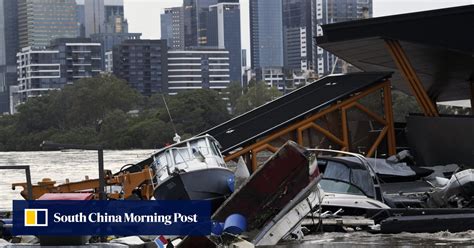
[94, 17]
[195, 21]
[266, 39]
[40, 22]
[8, 48]
[223, 31]
[331, 11]
[172, 27]
[297, 34]
[114, 33]
[113, 7]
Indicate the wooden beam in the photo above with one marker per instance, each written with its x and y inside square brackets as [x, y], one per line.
[392, 47]
[254, 161]
[300, 136]
[377, 142]
[328, 134]
[266, 147]
[295, 126]
[406, 69]
[345, 130]
[370, 113]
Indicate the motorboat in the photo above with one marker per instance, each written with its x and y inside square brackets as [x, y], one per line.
[193, 169]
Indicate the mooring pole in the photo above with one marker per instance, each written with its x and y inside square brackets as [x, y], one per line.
[100, 153]
[102, 195]
[29, 186]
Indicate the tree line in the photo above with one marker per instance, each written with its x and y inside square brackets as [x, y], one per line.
[104, 110]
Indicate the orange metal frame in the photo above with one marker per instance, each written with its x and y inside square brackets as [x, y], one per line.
[405, 67]
[343, 106]
[128, 181]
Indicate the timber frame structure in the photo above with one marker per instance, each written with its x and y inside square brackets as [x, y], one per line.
[430, 66]
[341, 108]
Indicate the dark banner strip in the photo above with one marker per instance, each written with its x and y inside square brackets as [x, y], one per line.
[112, 218]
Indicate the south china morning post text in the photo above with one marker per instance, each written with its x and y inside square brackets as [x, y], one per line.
[112, 218]
[126, 217]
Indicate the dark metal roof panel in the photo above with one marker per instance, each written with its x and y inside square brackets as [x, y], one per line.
[450, 28]
[438, 44]
[259, 122]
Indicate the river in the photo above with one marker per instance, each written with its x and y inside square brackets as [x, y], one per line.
[59, 165]
[75, 165]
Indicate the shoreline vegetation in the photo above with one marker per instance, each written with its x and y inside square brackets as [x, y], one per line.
[104, 110]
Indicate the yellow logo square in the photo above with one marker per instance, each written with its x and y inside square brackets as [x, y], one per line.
[36, 217]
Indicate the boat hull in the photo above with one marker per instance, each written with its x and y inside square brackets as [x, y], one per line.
[205, 184]
[270, 188]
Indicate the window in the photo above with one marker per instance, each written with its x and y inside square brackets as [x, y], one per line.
[200, 145]
[181, 155]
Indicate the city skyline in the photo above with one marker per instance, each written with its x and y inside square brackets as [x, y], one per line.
[142, 13]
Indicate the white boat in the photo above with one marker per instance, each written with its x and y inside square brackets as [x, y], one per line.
[193, 169]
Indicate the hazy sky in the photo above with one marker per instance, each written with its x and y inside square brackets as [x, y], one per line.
[144, 15]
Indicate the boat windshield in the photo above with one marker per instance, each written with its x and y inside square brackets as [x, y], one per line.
[200, 145]
[332, 186]
[181, 155]
[347, 172]
[201, 148]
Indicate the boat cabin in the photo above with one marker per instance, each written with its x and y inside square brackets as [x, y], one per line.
[193, 154]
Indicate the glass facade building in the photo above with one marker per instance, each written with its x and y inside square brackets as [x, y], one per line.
[195, 16]
[41, 21]
[297, 34]
[224, 32]
[114, 33]
[172, 27]
[266, 38]
[8, 48]
[94, 17]
[95, 14]
[332, 11]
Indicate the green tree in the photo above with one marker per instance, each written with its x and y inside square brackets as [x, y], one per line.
[402, 105]
[196, 111]
[92, 98]
[234, 92]
[257, 94]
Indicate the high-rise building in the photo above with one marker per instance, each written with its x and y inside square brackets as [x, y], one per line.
[40, 22]
[65, 61]
[114, 33]
[332, 11]
[8, 48]
[266, 38]
[172, 27]
[223, 31]
[113, 8]
[143, 64]
[297, 34]
[81, 19]
[94, 17]
[198, 68]
[195, 16]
